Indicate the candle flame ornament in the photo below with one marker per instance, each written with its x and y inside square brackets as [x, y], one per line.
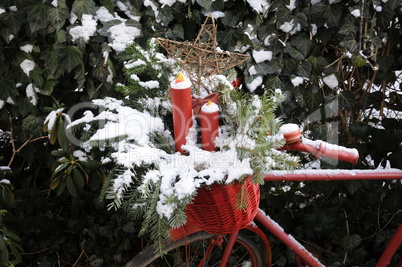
[180, 90]
[209, 118]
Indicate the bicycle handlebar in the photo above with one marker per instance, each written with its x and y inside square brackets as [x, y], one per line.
[323, 149]
[295, 142]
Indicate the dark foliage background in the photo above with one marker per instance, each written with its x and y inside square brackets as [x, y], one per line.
[343, 222]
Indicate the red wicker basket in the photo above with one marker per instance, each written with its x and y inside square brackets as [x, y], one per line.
[214, 208]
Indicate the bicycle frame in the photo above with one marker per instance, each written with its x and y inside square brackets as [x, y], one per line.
[319, 149]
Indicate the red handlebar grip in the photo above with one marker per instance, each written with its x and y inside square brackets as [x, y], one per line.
[323, 149]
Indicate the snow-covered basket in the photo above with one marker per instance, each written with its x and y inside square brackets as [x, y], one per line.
[216, 209]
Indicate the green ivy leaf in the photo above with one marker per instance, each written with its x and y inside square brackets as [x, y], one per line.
[37, 16]
[230, 38]
[313, 100]
[303, 43]
[330, 14]
[275, 82]
[37, 76]
[289, 65]
[386, 62]
[33, 125]
[346, 99]
[304, 69]
[350, 43]
[178, 31]
[370, 99]
[294, 52]
[80, 76]
[13, 20]
[81, 7]
[348, 27]
[360, 130]
[384, 17]
[395, 158]
[317, 64]
[100, 72]
[60, 36]
[350, 242]
[71, 57]
[353, 186]
[6, 87]
[273, 67]
[48, 87]
[205, 3]
[57, 16]
[51, 59]
[109, 4]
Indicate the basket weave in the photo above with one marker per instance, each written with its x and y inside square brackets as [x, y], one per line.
[214, 208]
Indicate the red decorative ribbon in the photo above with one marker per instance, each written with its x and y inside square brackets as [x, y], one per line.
[197, 102]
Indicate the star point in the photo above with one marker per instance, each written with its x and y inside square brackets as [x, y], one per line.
[201, 59]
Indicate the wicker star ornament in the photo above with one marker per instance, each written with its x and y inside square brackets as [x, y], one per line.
[202, 58]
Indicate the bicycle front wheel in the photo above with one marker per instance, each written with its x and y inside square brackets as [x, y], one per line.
[201, 248]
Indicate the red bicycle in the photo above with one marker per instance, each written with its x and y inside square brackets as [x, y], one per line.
[221, 245]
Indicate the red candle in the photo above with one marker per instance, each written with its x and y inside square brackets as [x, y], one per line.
[209, 117]
[180, 90]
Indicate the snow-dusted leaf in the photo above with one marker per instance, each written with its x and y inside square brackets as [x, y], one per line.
[81, 7]
[71, 57]
[283, 15]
